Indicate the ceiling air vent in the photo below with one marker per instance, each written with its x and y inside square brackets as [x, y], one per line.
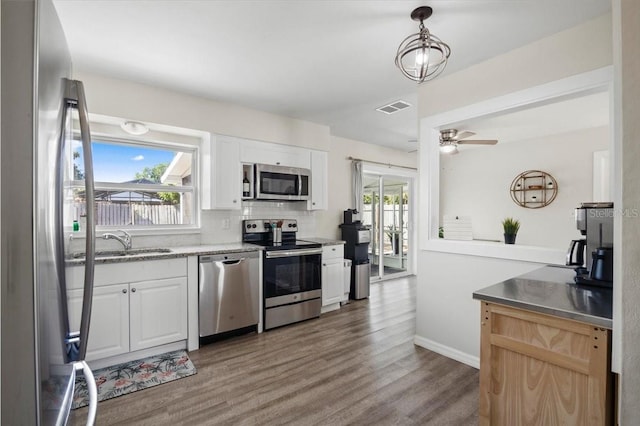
[393, 107]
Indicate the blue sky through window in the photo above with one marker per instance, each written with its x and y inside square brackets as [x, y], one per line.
[120, 163]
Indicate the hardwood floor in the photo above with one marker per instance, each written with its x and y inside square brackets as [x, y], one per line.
[357, 365]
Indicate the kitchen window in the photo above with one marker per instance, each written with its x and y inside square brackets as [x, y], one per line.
[139, 184]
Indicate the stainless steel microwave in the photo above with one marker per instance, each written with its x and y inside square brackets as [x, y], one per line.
[282, 183]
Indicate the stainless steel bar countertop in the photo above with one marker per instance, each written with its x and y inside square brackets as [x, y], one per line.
[551, 290]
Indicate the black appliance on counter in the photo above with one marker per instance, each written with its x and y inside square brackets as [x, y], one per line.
[593, 255]
[351, 216]
[291, 271]
[357, 237]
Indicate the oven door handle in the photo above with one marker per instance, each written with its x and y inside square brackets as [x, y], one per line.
[291, 253]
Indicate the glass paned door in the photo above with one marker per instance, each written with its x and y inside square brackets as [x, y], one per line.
[386, 210]
[395, 217]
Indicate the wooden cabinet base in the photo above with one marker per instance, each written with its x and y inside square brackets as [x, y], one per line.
[539, 369]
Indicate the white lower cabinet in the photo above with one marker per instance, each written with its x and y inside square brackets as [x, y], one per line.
[109, 326]
[332, 275]
[135, 315]
[157, 312]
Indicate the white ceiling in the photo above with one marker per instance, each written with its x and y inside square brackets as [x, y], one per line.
[557, 118]
[326, 61]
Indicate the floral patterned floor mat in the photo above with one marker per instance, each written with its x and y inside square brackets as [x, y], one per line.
[133, 376]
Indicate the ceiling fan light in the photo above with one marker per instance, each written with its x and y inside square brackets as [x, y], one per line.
[448, 148]
[422, 56]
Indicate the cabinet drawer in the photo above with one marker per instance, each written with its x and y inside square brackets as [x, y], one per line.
[333, 252]
[127, 272]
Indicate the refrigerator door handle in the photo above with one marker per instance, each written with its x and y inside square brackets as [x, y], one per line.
[85, 134]
[71, 341]
[92, 388]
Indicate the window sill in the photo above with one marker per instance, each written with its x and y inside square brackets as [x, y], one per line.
[545, 255]
[137, 232]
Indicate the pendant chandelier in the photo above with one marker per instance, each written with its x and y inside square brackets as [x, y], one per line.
[422, 56]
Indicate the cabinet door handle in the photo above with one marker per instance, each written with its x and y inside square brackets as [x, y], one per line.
[324, 264]
[235, 201]
[124, 290]
[313, 204]
[133, 290]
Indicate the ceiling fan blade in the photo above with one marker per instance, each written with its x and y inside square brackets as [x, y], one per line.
[464, 134]
[478, 142]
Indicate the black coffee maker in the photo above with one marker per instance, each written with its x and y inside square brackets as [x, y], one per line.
[595, 265]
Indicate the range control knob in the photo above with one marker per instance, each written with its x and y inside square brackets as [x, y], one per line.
[249, 225]
[292, 225]
[253, 226]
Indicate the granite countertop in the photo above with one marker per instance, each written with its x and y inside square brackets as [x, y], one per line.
[323, 241]
[138, 254]
[174, 252]
[551, 290]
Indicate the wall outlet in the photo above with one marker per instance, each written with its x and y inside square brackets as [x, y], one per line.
[226, 223]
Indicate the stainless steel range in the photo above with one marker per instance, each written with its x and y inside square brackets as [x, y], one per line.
[291, 271]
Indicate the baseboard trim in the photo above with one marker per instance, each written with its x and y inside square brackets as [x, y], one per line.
[447, 351]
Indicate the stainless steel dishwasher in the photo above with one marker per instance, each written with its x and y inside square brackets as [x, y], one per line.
[228, 292]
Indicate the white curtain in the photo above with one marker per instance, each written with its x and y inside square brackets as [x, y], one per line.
[356, 181]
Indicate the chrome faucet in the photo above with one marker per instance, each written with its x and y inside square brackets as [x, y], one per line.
[125, 240]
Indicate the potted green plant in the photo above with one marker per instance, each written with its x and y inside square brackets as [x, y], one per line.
[511, 227]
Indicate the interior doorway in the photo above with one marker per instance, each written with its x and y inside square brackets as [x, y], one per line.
[387, 209]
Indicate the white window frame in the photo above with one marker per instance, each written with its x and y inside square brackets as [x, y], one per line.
[193, 149]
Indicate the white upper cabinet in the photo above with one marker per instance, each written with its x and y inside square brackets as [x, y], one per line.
[224, 158]
[319, 176]
[274, 154]
[221, 174]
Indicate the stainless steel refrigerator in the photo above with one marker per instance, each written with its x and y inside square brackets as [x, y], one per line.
[40, 353]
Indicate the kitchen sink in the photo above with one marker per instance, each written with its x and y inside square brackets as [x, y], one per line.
[121, 253]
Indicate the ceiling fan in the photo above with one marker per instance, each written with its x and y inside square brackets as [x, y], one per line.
[450, 139]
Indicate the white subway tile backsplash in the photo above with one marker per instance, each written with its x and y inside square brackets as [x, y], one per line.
[213, 221]
[214, 227]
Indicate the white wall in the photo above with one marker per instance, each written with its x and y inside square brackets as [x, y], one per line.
[121, 98]
[446, 281]
[476, 183]
[570, 52]
[627, 239]
[450, 321]
[126, 99]
[340, 193]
